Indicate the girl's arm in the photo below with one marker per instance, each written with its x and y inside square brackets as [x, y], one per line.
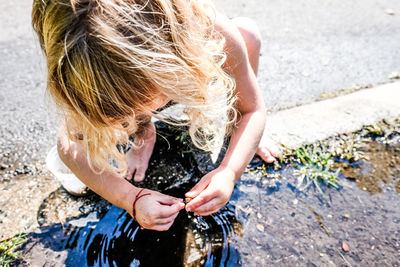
[156, 211]
[214, 189]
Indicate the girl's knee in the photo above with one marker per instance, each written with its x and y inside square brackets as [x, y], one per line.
[249, 30]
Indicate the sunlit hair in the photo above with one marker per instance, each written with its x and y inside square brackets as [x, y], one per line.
[107, 61]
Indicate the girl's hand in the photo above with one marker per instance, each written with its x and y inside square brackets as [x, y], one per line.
[212, 192]
[267, 149]
[157, 211]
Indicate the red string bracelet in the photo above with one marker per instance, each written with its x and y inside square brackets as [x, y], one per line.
[138, 196]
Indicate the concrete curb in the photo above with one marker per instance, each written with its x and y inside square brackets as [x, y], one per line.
[320, 120]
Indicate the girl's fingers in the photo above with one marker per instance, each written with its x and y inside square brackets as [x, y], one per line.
[168, 211]
[207, 212]
[265, 154]
[200, 200]
[167, 220]
[273, 148]
[274, 154]
[163, 227]
[208, 207]
[168, 200]
[198, 188]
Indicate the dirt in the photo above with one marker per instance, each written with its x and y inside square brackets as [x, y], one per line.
[20, 200]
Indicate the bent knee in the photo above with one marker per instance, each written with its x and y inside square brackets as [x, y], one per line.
[63, 144]
[250, 32]
[63, 148]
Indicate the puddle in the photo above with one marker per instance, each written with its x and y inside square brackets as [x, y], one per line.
[380, 170]
[267, 221]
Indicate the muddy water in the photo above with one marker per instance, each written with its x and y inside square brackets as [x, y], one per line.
[380, 170]
[268, 221]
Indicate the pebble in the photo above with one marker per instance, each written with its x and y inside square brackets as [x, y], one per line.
[325, 62]
[389, 11]
[260, 227]
[305, 74]
[258, 242]
[394, 75]
[345, 246]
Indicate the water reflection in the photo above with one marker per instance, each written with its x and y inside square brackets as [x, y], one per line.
[116, 240]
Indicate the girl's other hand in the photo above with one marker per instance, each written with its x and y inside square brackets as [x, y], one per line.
[212, 192]
[267, 149]
[157, 211]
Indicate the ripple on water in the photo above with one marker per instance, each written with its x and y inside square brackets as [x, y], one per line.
[268, 221]
[117, 240]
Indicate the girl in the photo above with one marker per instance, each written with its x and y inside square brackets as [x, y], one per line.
[112, 63]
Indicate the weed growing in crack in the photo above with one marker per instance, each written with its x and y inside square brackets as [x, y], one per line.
[374, 130]
[314, 155]
[266, 170]
[347, 147]
[315, 169]
[8, 249]
[384, 131]
[315, 163]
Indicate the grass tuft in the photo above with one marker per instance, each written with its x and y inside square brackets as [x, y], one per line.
[8, 249]
[315, 176]
[315, 168]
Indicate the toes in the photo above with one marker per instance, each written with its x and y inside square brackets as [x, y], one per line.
[139, 174]
[138, 177]
[129, 174]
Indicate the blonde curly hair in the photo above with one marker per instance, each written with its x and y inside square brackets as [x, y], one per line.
[108, 60]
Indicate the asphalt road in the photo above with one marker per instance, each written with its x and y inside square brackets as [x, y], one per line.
[309, 47]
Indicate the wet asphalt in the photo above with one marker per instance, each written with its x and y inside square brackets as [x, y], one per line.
[309, 47]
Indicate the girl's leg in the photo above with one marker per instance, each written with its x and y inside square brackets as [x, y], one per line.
[138, 159]
[251, 35]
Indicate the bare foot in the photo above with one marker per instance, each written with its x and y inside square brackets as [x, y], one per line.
[138, 159]
[267, 149]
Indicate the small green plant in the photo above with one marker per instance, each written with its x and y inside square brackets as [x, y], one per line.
[314, 155]
[184, 140]
[348, 148]
[182, 137]
[315, 168]
[8, 249]
[374, 130]
[316, 175]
